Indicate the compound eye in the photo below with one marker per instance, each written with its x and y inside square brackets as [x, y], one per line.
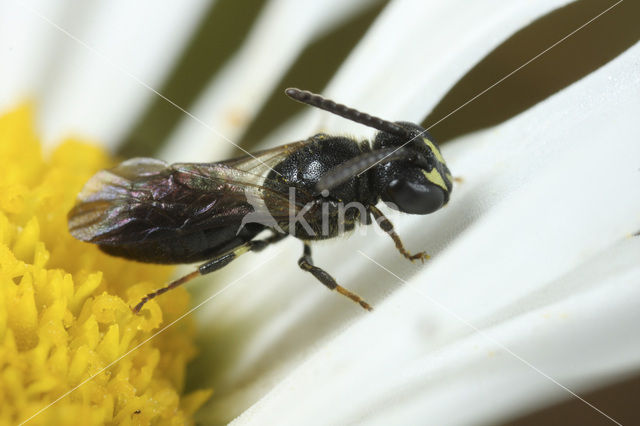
[414, 198]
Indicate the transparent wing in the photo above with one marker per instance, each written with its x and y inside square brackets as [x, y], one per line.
[144, 199]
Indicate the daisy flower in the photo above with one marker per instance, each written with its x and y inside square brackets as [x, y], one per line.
[531, 294]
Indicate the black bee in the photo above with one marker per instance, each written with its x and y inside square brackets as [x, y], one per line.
[319, 188]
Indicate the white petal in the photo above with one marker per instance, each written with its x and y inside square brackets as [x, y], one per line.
[430, 44]
[418, 361]
[555, 336]
[27, 47]
[534, 258]
[95, 75]
[230, 102]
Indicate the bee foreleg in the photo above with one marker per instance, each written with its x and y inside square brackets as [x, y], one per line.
[386, 225]
[306, 264]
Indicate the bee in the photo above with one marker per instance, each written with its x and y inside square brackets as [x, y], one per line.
[319, 188]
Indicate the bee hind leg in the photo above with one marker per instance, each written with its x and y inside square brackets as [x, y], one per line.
[212, 265]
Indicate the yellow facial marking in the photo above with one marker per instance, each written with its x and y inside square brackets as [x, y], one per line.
[435, 150]
[435, 178]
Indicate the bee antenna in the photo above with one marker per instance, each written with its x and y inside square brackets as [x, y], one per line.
[352, 114]
[364, 162]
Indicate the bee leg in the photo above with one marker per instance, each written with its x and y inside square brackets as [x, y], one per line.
[158, 292]
[386, 225]
[306, 264]
[212, 265]
[259, 245]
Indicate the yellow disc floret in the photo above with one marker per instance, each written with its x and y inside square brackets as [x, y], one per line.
[64, 305]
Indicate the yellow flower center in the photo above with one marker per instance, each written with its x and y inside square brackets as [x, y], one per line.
[64, 305]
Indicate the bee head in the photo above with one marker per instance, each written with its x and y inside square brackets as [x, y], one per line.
[419, 183]
[408, 169]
